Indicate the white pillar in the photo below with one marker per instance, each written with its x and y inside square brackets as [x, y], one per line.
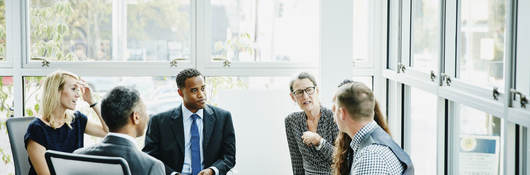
[336, 56]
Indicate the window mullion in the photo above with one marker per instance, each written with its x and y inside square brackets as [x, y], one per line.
[202, 26]
[16, 49]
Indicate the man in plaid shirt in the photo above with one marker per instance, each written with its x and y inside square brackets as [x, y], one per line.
[373, 150]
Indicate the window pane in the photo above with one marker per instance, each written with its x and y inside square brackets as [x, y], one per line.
[265, 31]
[522, 74]
[423, 131]
[158, 93]
[6, 110]
[525, 150]
[71, 30]
[158, 30]
[259, 106]
[139, 30]
[2, 31]
[481, 42]
[366, 80]
[480, 142]
[361, 33]
[425, 52]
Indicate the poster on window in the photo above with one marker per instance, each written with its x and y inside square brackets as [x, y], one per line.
[479, 155]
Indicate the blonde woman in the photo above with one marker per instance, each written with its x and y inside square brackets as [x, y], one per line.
[59, 127]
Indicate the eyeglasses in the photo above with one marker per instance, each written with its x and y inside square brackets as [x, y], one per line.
[308, 91]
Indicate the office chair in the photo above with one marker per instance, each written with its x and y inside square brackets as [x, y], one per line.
[16, 128]
[61, 163]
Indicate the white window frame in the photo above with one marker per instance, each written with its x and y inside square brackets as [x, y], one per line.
[119, 44]
[18, 47]
[522, 55]
[457, 91]
[440, 128]
[204, 42]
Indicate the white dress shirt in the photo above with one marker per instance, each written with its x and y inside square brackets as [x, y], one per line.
[187, 120]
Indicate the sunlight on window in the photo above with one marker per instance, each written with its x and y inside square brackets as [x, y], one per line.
[6, 111]
[425, 49]
[2, 31]
[361, 33]
[265, 31]
[480, 146]
[481, 42]
[140, 30]
[158, 93]
[423, 131]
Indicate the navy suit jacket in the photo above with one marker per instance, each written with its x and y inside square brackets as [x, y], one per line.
[164, 139]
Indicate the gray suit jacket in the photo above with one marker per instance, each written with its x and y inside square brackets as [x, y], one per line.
[139, 162]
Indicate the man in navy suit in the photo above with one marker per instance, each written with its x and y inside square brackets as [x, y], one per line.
[194, 138]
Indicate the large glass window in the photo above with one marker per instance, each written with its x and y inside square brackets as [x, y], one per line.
[158, 93]
[361, 33]
[6, 111]
[265, 31]
[425, 42]
[158, 30]
[71, 30]
[106, 30]
[481, 42]
[479, 146]
[3, 33]
[525, 150]
[522, 73]
[423, 136]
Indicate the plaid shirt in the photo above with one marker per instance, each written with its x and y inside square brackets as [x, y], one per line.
[375, 158]
[307, 159]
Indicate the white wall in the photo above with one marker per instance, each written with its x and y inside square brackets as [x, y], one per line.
[258, 117]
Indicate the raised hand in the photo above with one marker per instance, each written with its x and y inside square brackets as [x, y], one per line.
[85, 91]
[311, 138]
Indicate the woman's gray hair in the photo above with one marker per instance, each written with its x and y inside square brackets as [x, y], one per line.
[301, 76]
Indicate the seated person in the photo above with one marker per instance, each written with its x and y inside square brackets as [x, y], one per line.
[363, 146]
[59, 127]
[125, 114]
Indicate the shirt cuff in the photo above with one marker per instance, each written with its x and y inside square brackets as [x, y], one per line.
[215, 170]
[322, 140]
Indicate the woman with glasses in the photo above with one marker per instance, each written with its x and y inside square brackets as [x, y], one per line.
[311, 132]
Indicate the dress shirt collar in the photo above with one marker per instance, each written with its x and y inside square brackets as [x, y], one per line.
[359, 136]
[186, 113]
[128, 137]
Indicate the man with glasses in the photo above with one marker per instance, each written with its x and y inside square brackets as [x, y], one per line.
[310, 133]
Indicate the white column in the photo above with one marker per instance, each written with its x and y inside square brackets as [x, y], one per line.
[16, 28]
[336, 44]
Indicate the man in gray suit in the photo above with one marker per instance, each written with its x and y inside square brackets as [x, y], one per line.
[124, 113]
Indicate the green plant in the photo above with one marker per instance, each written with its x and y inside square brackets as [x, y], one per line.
[232, 48]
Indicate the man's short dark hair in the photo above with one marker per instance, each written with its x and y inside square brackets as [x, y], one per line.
[301, 76]
[184, 75]
[118, 105]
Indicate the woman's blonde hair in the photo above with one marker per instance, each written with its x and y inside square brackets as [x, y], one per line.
[51, 97]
